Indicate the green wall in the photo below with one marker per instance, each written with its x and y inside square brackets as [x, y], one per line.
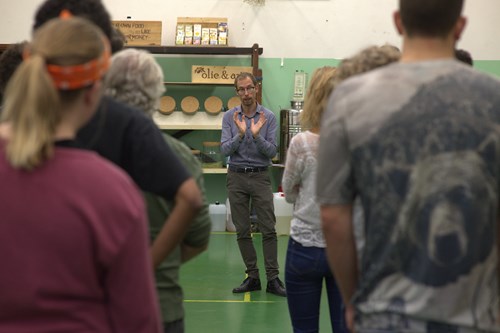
[278, 77]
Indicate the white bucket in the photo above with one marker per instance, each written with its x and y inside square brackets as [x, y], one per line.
[283, 212]
[229, 221]
[217, 214]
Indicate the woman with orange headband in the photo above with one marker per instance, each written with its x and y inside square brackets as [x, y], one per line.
[73, 229]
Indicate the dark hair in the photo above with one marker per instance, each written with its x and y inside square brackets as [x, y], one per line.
[9, 61]
[429, 18]
[92, 10]
[464, 56]
[242, 76]
[118, 40]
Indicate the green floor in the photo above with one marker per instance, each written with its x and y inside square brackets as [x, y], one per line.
[210, 305]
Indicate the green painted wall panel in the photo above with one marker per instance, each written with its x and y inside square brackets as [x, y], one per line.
[488, 66]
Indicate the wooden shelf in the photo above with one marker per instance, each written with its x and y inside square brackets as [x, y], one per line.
[254, 52]
[214, 170]
[213, 50]
[181, 121]
[196, 84]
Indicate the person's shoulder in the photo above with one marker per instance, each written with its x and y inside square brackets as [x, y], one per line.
[184, 153]
[93, 164]
[488, 78]
[268, 113]
[179, 147]
[299, 137]
[303, 140]
[120, 111]
[229, 113]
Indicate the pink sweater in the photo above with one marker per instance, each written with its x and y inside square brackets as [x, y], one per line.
[74, 249]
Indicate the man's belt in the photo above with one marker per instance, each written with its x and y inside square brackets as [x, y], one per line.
[247, 169]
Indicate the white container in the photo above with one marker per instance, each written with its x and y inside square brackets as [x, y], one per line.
[217, 214]
[283, 212]
[229, 221]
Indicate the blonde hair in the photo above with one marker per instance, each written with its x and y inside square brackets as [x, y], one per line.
[136, 79]
[320, 87]
[33, 104]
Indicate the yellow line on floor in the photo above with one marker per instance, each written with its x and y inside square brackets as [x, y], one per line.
[223, 301]
[247, 298]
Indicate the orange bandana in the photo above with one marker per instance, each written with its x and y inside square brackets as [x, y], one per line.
[79, 76]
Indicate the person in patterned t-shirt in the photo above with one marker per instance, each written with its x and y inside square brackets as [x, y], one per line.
[419, 142]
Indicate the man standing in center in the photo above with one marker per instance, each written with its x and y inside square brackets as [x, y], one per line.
[249, 139]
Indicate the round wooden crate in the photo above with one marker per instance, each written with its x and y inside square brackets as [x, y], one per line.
[190, 105]
[167, 105]
[213, 105]
[233, 102]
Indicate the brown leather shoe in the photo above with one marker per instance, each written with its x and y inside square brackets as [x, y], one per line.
[249, 284]
[275, 286]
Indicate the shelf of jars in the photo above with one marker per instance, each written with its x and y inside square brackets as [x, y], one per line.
[172, 83]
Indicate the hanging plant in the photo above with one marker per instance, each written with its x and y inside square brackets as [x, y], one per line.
[256, 2]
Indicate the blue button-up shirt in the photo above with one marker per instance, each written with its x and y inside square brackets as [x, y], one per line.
[249, 152]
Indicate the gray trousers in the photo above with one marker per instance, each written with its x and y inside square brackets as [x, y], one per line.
[254, 186]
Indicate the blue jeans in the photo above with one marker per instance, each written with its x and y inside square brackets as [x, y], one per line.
[305, 270]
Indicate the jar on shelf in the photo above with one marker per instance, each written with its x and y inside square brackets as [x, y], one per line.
[212, 156]
[197, 154]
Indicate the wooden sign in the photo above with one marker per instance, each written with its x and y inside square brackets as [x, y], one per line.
[216, 74]
[140, 33]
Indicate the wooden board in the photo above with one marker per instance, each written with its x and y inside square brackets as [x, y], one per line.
[205, 21]
[216, 74]
[213, 105]
[190, 104]
[167, 105]
[140, 33]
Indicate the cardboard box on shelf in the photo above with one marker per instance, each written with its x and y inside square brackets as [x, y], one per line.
[205, 36]
[179, 37]
[222, 29]
[188, 37]
[203, 31]
[196, 34]
[214, 34]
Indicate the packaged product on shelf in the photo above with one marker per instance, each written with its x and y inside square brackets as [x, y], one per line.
[222, 38]
[213, 36]
[197, 34]
[179, 38]
[222, 27]
[188, 37]
[205, 36]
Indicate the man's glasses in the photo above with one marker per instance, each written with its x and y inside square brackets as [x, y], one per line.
[242, 91]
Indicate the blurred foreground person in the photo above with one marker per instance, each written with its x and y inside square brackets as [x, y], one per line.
[128, 138]
[73, 229]
[306, 265]
[419, 142]
[136, 79]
